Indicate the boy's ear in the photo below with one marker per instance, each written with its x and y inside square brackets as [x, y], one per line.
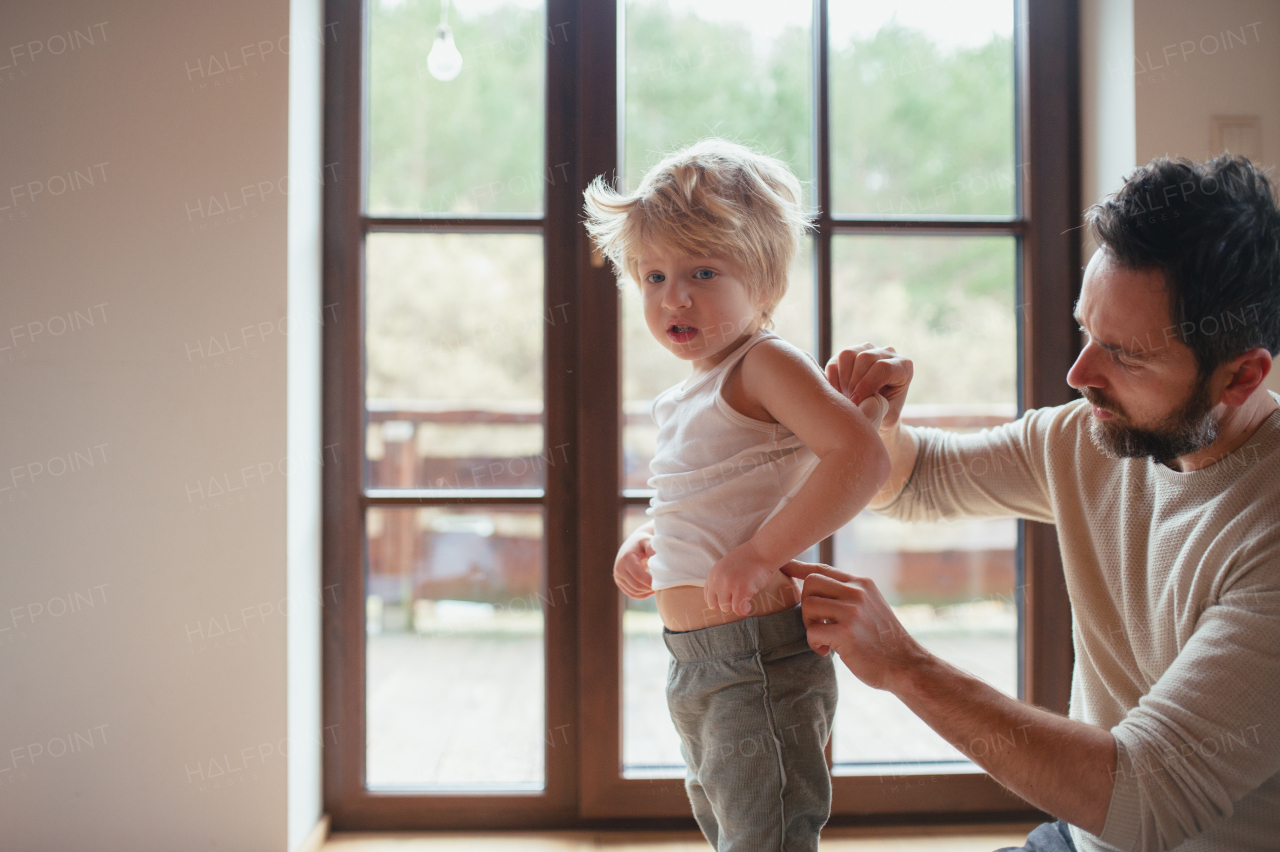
[760, 301]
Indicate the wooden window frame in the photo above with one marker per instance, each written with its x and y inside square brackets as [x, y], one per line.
[583, 500]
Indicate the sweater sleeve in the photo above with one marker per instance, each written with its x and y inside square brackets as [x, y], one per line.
[1000, 472]
[1207, 733]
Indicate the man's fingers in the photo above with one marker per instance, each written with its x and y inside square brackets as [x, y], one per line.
[800, 570]
[819, 610]
[804, 570]
[833, 374]
[863, 364]
[840, 369]
[874, 408]
[883, 376]
[822, 637]
[837, 585]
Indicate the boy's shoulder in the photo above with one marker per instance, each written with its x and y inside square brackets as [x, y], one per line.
[777, 353]
[770, 367]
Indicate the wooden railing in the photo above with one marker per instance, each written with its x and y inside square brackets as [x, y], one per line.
[942, 416]
[403, 553]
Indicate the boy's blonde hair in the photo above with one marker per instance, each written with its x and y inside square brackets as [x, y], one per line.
[712, 199]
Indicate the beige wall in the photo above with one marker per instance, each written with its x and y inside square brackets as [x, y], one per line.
[124, 416]
[145, 372]
[1106, 101]
[1195, 60]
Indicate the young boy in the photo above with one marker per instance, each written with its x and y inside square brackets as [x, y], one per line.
[757, 459]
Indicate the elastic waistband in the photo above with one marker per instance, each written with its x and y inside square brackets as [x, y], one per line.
[759, 633]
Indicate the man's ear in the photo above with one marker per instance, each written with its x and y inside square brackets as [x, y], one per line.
[1246, 373]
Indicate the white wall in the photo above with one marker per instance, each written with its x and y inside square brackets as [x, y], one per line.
[1107, 127]
[1188, 69]
[174, 531]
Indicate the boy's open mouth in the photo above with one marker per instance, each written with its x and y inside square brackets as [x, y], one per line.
[681, 333]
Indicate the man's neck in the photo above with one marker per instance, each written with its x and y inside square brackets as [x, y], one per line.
[1237, 425]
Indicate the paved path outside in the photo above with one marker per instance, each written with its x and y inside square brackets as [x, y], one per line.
[454, 708]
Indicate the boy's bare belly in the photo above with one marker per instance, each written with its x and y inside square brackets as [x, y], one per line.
[684, 608]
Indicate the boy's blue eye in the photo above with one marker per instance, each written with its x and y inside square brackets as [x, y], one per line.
[704, 274]
[656, 278]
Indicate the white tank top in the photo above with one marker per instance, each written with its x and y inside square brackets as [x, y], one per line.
[719, 475]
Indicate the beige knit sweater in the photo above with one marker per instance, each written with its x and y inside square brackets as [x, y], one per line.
[1174, 581]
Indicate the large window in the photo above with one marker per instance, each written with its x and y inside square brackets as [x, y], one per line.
[493, 386]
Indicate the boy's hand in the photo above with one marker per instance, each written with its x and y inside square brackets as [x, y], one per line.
[734, 580]
[631, 567]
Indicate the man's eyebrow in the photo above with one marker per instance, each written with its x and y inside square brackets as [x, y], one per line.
[1140, 354]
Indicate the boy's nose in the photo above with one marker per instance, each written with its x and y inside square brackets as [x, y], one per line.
[676, 296]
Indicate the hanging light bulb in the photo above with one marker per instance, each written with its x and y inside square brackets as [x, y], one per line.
[444, 61]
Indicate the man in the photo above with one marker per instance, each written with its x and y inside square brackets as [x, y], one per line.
[1164, 484]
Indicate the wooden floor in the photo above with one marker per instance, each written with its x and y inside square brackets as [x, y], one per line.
[833, 840]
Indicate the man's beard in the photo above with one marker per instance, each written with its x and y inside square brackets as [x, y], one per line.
[1190, 428]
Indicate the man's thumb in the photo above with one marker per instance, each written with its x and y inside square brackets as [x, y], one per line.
[799, 570]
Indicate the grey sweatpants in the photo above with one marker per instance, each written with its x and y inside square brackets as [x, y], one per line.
[753, 707]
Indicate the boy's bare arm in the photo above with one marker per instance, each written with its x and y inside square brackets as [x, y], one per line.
[852, 467]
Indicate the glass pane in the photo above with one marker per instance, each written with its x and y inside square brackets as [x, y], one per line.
[741, 71]
[454, 331]
[648, 368]
[922, 107]
[470, 145]
[949, 303]
[454, 615]
[650, 744]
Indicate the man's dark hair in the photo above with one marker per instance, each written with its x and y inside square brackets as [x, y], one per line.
[1213, 229]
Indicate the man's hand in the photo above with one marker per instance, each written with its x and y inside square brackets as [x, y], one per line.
[631, 567]
[860, 374]
[865, 370]
[848, 615]
[734, 580]
[1059, 765]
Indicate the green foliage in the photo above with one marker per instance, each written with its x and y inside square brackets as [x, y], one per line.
[688, 78]
[947, 301]
[473, 144]
[918, 131]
